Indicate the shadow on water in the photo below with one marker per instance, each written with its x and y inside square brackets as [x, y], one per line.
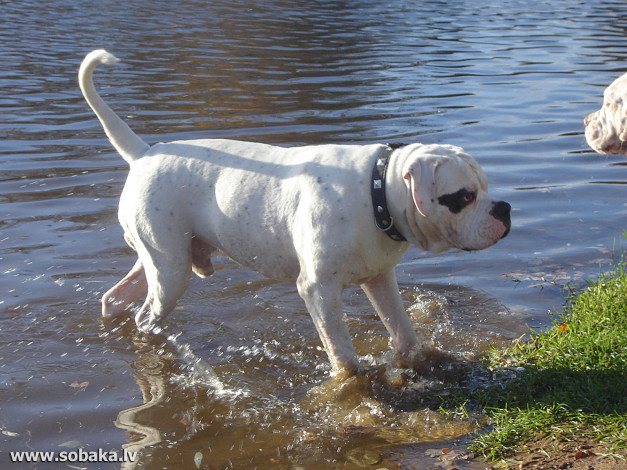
[272, 401]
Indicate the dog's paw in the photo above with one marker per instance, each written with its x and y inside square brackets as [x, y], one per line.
[430, 362]
[146, 323]
[112, 307]
[427, 360]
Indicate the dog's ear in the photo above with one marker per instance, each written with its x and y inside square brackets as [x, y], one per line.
[421, 177]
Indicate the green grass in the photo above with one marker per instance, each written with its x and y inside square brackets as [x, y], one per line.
[568, 382]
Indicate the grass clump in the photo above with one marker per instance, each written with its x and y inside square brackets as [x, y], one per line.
[565, 383]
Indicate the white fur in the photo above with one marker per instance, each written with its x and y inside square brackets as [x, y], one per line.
[299, 214]
[606, 129]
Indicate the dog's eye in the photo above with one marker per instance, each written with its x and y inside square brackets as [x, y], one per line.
[468, 197]
[458, 200]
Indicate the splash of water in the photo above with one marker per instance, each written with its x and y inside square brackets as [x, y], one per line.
[198, 371]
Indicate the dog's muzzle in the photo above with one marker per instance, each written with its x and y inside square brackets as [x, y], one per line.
[500, 211]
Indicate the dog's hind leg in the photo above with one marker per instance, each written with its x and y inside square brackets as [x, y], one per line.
[167, 275]
[120, 297]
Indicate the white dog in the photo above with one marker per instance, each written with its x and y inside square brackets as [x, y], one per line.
[323, 216]
[606, 129]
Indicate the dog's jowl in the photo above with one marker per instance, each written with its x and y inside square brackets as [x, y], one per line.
[322, 216]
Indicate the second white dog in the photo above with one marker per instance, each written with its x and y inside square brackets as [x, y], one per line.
[606, 129]
[323, 216]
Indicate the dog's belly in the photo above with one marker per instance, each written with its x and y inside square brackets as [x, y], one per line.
[279, 267]
[267, 250]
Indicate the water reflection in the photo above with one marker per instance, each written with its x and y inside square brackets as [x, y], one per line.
[136, 420]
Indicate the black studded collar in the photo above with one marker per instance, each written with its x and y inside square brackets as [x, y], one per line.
[383, 219]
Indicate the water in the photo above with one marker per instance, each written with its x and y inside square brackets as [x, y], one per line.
[240, 380]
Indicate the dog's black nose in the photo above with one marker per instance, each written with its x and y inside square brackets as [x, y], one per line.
[500, 211]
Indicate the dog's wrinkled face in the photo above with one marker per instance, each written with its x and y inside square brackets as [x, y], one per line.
[606, 129]
[451, 206]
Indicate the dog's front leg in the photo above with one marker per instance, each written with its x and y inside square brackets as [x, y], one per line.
[324, 303]
[386, 299]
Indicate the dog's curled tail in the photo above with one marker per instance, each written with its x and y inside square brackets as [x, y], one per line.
[125, 141]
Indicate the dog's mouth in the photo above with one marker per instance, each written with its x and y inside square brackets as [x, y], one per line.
[507, 223]
[489, 237]
[506, 232]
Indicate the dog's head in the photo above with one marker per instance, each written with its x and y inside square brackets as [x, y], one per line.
[606, 129]
[448, 204]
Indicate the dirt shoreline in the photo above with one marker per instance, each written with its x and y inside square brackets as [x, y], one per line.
[584, 453]
[538, 454]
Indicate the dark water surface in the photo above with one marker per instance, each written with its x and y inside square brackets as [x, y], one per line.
[242, 383]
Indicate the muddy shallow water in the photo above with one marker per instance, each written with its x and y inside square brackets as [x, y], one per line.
[239, 379]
